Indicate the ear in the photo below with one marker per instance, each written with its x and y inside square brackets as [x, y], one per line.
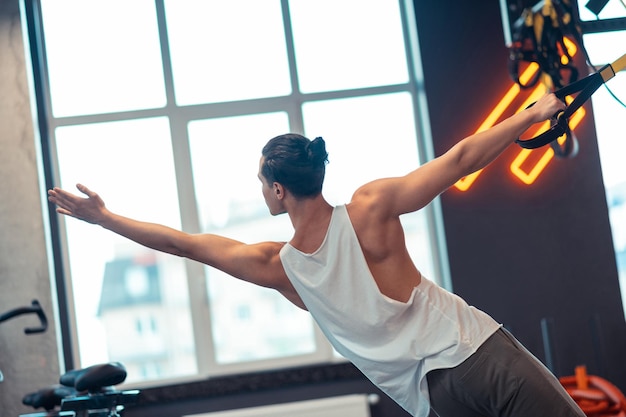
[278, 190]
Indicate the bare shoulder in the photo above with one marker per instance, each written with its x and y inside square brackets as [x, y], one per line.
[260, 264]
[268, 266]
[276, 277]
[369, 202]
[377, 228]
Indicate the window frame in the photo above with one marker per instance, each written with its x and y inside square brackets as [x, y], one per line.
[179, 117]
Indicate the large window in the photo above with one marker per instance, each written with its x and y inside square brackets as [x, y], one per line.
[604, 41]
[162, 107]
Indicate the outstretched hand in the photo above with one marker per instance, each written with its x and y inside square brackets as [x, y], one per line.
[90, 209]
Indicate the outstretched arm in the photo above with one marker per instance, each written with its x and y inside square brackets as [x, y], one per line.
[257, 263]
[396, 196]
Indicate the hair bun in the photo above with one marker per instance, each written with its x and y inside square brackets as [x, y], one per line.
[316, 150]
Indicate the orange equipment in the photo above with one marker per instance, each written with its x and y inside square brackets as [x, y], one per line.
[596, 396]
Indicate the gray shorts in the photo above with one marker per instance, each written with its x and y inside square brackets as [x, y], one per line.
[502, 379]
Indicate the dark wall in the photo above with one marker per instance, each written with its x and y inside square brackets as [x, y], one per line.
[522, 253]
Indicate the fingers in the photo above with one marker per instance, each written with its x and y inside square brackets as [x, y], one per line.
[547, 107]
[64, 211]
[556, 106]
[57, 197]
[85, 190]
[89, 209]
[65, 201]
[59, 194]
[560, 104]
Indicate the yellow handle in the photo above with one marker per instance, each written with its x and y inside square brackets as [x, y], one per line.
[619, 64]
[609, 71]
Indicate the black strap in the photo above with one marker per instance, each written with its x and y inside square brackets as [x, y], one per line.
[560, 122]
[587, 86]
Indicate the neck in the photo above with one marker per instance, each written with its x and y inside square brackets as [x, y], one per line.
[310, 218]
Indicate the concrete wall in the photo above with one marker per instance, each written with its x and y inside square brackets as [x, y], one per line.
[28, 362]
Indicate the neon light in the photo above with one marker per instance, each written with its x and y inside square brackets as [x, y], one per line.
[530, 177]
[527, 177]
[466, 182]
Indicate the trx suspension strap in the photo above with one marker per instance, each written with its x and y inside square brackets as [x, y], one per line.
[538, 36]
[587, 86]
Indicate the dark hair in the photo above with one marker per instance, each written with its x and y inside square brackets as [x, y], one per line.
[299, 164]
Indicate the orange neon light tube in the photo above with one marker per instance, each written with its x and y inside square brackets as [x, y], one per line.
[466, 182]
[527, 177]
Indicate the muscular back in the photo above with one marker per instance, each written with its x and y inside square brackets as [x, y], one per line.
[382, 241]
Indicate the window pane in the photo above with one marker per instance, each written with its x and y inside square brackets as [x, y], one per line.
[248, 322]
[601, 47]
[128, 299]
[348, 44]
[369, 138]
[608, 113]
[609, 117]
[229, 50]
[613, 9]
[103, 56]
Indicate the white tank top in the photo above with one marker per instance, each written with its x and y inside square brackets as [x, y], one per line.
[393, 343]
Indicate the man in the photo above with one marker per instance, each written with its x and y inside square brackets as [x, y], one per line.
[349, 266]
